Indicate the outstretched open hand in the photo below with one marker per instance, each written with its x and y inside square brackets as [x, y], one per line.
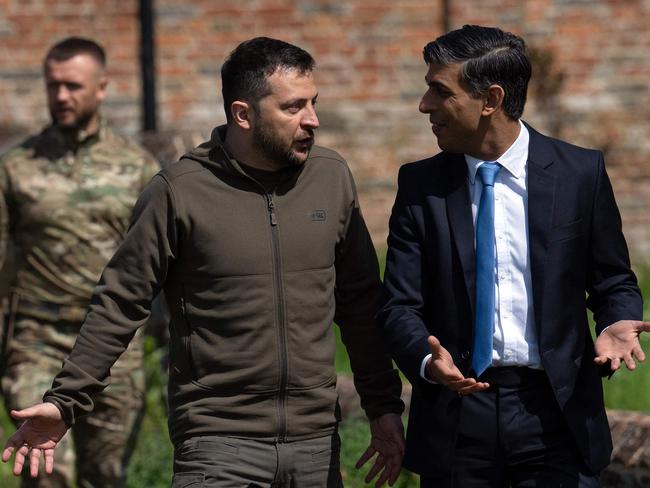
[620, 342]
[42, 429]
[441, 369]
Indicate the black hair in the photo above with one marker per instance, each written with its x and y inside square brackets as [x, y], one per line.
[490, 56]
[244, 75]
[73, 46]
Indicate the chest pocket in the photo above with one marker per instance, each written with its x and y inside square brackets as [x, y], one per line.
[566, 232]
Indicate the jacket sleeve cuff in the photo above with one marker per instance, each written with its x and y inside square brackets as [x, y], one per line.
[72, 392]
[423, 370]
[381, 394]
[66, 415]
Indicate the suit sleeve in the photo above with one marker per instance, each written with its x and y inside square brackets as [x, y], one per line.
[121, 302]
[402, 313]
[357, 297]
[613, 293]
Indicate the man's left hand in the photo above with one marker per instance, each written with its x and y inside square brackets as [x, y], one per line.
[387, 441]
[620, 342]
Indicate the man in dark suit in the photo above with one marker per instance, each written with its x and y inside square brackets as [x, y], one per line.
[489, 275]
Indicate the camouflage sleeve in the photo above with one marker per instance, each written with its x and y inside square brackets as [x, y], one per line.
[4, 213]
[5, 268]
[121, 302]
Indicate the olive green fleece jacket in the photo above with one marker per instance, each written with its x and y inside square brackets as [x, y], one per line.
[253, 281]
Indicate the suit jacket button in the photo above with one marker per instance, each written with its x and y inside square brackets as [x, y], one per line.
[464, 355]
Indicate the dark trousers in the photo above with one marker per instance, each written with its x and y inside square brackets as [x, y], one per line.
[514, 435]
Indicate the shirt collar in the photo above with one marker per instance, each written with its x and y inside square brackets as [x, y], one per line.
[513, 160]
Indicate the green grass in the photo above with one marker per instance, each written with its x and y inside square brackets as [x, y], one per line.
[628, 390]
[151, 465]
[342, 359]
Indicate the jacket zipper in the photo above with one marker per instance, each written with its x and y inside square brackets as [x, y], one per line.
[280, 314]
[280, 317]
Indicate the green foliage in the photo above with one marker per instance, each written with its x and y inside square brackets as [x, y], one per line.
[342, 359]
[151, 464]
[628, 390]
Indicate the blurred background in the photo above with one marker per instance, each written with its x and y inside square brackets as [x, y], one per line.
[591, 83]
[591, 86]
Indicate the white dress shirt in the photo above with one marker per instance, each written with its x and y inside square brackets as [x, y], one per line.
[515, 333]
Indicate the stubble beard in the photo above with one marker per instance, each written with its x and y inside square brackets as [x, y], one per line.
[273, 149]
[80, 121]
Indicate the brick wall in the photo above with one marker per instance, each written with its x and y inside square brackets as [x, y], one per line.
[370, 69]
[29, 27]
[592, 85]
[600, 54]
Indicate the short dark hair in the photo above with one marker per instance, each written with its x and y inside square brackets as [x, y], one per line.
[245, 72]
[489, 56]
[73, 46]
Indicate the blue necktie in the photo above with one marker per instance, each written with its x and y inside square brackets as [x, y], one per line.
[485, 265]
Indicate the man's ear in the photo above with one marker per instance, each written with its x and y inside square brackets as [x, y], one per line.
[493, 99]
[241, 114]
[102, 89]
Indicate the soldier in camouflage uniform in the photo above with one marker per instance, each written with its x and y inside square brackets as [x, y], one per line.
[67, 195]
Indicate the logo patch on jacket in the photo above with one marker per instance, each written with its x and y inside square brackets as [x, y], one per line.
[317, 215]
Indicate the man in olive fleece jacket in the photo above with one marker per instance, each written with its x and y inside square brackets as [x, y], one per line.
[257, 239]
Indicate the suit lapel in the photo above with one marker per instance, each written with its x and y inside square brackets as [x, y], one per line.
[541, 194]
[459, 214]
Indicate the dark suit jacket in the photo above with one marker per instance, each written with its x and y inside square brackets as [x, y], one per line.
[578, 258]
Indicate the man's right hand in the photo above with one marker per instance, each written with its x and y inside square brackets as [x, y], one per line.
[442, 370]
[42, 429]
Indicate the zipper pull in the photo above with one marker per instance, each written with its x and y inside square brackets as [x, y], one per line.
[182, 305]
[271, 207]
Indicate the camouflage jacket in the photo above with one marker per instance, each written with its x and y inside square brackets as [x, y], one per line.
[66, 203]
